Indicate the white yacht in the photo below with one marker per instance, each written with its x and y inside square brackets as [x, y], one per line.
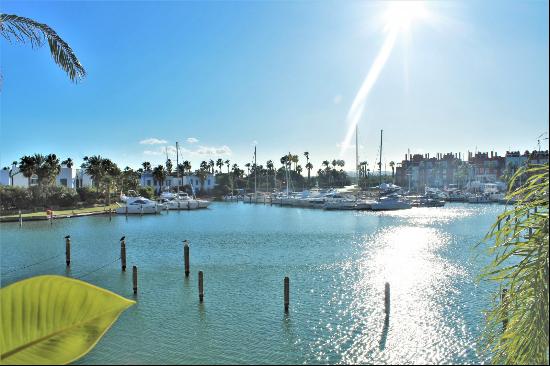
[391, 202]
[140, 206]
[182, 201]
[336, 201]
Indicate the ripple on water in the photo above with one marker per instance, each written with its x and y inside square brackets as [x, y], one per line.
[338, 263]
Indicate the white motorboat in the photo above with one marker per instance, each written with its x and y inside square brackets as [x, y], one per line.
[337, 201]
[140, 206]
[390, 203]
[182, 201]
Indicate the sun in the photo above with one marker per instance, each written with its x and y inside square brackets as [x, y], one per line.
[401, 14]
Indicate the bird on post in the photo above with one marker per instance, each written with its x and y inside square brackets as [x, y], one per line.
[68, 237]
[124, 237]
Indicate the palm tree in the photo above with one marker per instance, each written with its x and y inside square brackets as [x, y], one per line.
[219, 164]
[294, 159]
[146, 166]
[227, 162]
[68, 162]
[159, 174]
[169, 166]
[92, 167]
[27, 167]
[22, 30]
[392, 165]
[211, 164]
[270, 167]
[517, 325]
[187, 166]
[309, 166]
[247, 165]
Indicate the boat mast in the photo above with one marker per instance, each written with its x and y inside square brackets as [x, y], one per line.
[255, 172]
[357, 154]
[380, 163]
[177, 170]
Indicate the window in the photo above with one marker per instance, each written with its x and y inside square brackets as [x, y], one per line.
[63, 182]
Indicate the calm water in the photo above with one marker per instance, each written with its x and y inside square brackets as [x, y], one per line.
[337, 262]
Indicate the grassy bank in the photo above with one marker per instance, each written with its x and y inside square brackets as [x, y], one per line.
[63, 212]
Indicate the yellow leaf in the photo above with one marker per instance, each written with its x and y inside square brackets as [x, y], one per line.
[54, 319]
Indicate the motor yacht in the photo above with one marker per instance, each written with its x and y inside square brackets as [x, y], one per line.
[392, 202]
[140, 206]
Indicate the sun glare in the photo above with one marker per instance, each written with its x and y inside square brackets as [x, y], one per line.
[401, 14]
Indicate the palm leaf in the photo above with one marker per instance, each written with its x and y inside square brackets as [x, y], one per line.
[54, 319]
[520, 265]
[23, 30]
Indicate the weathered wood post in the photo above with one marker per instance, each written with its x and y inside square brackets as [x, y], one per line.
[51, 217]
[126, 210]
[123, 254]
[110, 214]
[387, 299]
[503, 298]
[141, 210]
[134, 279]
[186, 257]
[188, 207]
[287, 293]
[68, 250]
[201, 286]
[20, 219]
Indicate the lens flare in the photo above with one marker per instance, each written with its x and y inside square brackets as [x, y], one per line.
[397, 18]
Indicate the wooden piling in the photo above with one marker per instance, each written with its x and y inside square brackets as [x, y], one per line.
[287, 293]
[201, 286]
[387, 299]
[20, 219]
[141, 210]
[68, 251]
[134, 279]
[188, 208]
[126, 211]
[186, 257]
[123, 255]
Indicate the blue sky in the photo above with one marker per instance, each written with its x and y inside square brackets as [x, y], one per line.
[282, 74]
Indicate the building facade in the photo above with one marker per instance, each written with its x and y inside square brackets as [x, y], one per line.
[148, 180]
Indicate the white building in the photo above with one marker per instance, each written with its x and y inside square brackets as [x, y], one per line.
[147, 180]
[67, 177]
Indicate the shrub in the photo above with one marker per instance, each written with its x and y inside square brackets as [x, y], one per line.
[147, 192]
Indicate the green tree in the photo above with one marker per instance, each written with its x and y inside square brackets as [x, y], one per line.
[68, 163]
[520, 265]
[27, 167]
[169, 166]
[146, 166]
[392, 165]
[159, 174]
[23, 30]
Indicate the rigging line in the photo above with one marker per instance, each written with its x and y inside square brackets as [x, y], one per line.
[97, 269]
[30, 265]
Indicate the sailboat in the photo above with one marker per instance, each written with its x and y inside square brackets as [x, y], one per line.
[391, 201]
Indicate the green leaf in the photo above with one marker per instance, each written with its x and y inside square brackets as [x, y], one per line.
[54, 319]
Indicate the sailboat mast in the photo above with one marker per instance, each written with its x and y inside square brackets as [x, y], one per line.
[380, 163]
[357, 154]
[255, 172]
[177, 169]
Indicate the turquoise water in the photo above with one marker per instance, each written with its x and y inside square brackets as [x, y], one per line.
[337, 262]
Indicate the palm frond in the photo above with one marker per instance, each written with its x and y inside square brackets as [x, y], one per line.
[23, 30]
[517, 327]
